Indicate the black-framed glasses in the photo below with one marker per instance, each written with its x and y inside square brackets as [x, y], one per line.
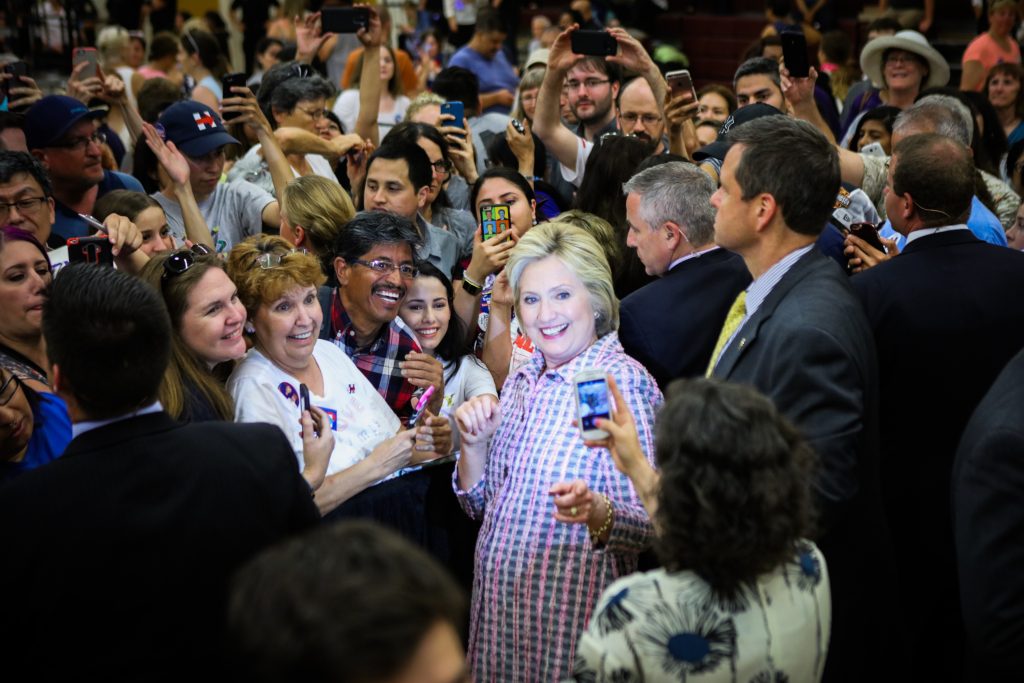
[183, 259]
[24, 205]
[8, 389]
[589, 83]
[273, 259]
[442, 166]
[383, 267]
[81, 142]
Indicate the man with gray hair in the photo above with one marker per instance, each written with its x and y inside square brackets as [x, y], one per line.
[672, 228]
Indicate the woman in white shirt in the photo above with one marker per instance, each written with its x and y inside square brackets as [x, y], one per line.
[392, 102]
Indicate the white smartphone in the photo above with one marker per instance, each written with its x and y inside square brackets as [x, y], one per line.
[873, 149]
[592, 402]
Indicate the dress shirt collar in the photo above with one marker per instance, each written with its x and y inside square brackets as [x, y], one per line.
[80, 428]
[760, 288]
[692, 255]
[925, 232]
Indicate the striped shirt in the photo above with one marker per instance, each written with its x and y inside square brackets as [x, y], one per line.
[537, 580]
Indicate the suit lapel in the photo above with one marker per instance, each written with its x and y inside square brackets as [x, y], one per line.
[747, 334]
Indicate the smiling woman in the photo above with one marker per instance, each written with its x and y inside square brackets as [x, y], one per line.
[24, 278]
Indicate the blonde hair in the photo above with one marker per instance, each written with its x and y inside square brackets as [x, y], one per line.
[531, 80]
[581, 254]
[111, 43]
[258, 285]
[424, 99]
[320, 207]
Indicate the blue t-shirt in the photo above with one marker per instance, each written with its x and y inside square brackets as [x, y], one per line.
[493, 74]
[982, 222]
[67, 223]
[50, 436]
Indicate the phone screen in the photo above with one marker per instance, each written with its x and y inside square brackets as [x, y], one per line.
[495, 219]
[594, 403]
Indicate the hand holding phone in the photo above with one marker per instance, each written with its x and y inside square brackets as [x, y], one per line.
[90, 57]
[95, 250]
[344, 19]
[794, 54]
[235, 80]
[681, 84]
[494, 220]
[592, 402]
[456, 110]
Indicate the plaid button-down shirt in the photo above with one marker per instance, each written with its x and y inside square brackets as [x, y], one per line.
[379, 360]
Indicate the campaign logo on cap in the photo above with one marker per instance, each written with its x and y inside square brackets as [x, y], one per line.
[204, 120]
[195, 129]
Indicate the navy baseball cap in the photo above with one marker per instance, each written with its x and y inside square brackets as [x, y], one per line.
[50, 119]
[719, 148]
[194, 128]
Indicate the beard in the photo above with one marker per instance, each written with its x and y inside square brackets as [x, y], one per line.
[601, 110]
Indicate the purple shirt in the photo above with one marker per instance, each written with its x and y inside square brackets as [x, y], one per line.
[493, 74]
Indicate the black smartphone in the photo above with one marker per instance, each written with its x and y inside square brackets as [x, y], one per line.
[95, 250]
[794, 53]
[344, 19]
[518, 126]
[304, 395]
[235, 80]
[494, 220]
[456, 109]
[17, 70]
[600, 43]
[869, 233]
[680, 83]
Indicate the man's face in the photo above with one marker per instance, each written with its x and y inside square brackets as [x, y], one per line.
[438, 658]
[735, 217]
[75, 160]
[490, 43]
[638, 112]
[369, 294]
[590, 93]
[37, 218]
[388, 188]
[205, 172]
[759, 88]
[653, 247]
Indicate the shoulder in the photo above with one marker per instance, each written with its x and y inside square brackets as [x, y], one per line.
[118, 180]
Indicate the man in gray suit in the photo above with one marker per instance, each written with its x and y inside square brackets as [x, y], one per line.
[799, 335]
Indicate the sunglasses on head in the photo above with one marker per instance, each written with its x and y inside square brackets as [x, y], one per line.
[183, 259]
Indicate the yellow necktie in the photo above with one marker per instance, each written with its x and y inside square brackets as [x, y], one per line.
[732, 321]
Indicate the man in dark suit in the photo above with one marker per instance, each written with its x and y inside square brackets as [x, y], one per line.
[671, 324]
[798, 335]
[988, 527]
[946, 319]
[117, 556]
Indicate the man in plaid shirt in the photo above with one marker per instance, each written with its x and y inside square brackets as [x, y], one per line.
[373, 260]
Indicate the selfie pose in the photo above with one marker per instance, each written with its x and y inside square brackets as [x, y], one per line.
[560, 523]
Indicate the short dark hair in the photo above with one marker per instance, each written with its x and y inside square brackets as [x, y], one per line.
[938, 173]
[514, 177]
[757, 66]
[734, 497]
[489, 20]
[610, 69]
[420, 172]
[110, 335]
[345, 602]
[127, 203]
[456, 84]
[885, 114]
[13, 163]
[370, 228]
[155, 95]
[884, 24]
[265, 43]
[165, 44]
[282, 90]
[795, 164]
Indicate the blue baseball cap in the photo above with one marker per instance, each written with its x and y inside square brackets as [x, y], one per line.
[194, 128]
[719, 148]
[50, 119]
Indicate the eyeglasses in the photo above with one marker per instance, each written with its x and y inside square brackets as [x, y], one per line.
[273, 259]
[183, 259]
[316, 114]
[901, 57]
[648, 119]
[26, 205]
[80, 143]
[589, 84]
[387, 267]
[9, 389]
[442, 166]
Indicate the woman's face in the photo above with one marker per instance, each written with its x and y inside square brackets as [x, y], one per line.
[425, 309]
[212, 323]
[707, 134]
[307, 114]
[556, 311]
[1003, 90]
[135, 53]
[24, 279]
[16, 419]
[1001, 21]
[903, 70]
[439, 176]
[287, 329]
[501, 191]
[528, 98]
[430, 46]
[712, 106]
[387, 67]
[156, 235]
[875, 131]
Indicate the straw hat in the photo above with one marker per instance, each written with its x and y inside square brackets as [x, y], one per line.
[909, 41]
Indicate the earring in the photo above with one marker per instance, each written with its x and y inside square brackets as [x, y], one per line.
[597, 314]
[250, 328]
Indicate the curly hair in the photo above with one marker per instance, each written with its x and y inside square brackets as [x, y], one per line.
[735, 488]
[258, 285]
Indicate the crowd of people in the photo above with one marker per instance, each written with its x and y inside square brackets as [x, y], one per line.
[289, 370]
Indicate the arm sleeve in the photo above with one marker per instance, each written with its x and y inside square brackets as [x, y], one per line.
[248, 202]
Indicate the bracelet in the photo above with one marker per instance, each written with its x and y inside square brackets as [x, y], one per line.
[595, 536]
[471, 285]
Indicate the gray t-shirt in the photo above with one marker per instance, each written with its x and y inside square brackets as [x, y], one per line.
[440, 247]
[233, 212]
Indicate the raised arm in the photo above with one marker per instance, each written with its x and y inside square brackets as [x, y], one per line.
[547, 121]
[370, 86]
[176, 167]
[247, 111]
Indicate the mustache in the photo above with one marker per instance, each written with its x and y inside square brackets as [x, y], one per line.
[389, 288]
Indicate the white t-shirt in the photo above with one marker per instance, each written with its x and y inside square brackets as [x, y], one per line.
[359, 416]
[233, 212]
[471, 379]
[583, 150]
[252, 168]
[347, 109]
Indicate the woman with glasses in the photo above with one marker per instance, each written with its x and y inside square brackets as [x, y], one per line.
[34, 426]
[207, 321]
[349, 439]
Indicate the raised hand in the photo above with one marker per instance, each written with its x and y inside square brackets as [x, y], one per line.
[170, 158]
[477, 419]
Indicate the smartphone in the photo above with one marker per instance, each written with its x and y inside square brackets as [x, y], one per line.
[235, 80]
[456, 109]
[96, 250]
[600, 43]
[518, 126]
[794, 53]
[869, 233]
[592, 402]
[494, 220]
[304, 396]
[17, 70]
[680, 83]
[873, 149]
[88, 55]
[344, 19]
